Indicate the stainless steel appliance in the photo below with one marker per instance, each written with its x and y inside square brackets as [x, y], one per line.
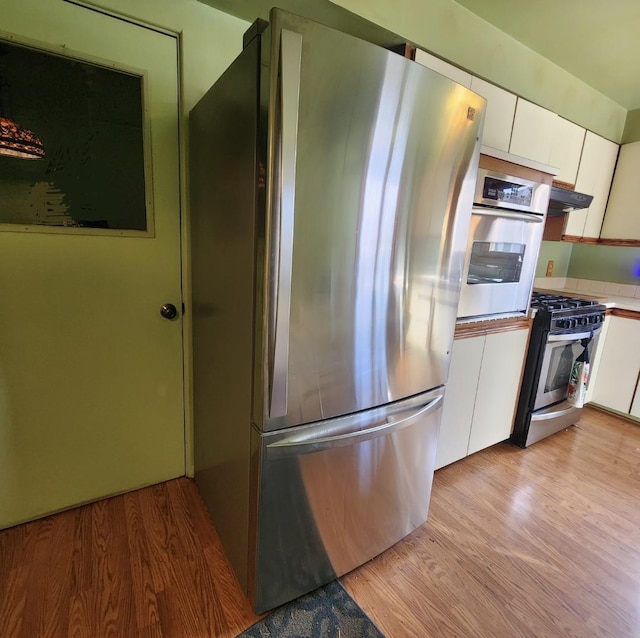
[331, 191]
[562, 328]
[504, 240]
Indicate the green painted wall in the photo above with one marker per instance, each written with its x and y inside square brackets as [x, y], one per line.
[454, 33]
[210, 39]
[632, 127]
[617, 264]
[557, 251]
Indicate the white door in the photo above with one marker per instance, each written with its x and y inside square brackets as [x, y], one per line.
[91, 394]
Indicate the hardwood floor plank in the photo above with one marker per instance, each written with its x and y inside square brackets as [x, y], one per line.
[112, 597]
[144, 593]
[82, 622]
[57, 576]
[82, 554]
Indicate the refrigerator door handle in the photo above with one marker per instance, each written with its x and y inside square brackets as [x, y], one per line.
[291, 65]
[307, 443]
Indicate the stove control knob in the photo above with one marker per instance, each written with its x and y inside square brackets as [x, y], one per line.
[563, 323]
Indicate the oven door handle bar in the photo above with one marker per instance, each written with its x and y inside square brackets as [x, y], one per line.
[554, 412]
[509, 214]
[576, 336]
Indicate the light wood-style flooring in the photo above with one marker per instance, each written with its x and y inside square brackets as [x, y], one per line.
[540, 542]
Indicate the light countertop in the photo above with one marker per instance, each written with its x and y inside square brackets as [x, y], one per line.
[606, 298]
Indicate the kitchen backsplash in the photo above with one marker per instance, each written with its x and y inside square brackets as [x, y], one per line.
[588, 286]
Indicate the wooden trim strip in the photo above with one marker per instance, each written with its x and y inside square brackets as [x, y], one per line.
[635, 243]
[502, 166]
[625, 312]
[491, 326]
[576, 239]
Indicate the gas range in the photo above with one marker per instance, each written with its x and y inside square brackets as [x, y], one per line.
[567, 315]
[563, 328]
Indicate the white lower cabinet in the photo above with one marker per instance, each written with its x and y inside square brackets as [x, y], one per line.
[619, 367]
[635, 407]
[482, 391]
[595, 362]
[459, 400]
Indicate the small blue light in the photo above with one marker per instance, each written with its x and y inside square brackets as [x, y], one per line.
[636, 270]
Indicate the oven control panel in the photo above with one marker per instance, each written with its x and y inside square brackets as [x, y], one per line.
[566, 324]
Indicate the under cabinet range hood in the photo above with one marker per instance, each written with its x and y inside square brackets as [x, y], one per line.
[563, 200]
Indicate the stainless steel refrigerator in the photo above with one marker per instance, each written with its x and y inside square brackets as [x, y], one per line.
[331, 190]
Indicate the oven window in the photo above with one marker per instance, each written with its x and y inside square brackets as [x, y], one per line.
[495, 262]
[560, 365]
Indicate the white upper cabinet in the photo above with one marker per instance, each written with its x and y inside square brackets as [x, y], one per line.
[622, 220]
[533, 132]
[444, 68]
[501, 109]
[566, 150]
[594, 177]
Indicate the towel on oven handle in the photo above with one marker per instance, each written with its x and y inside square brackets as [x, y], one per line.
[577, 388]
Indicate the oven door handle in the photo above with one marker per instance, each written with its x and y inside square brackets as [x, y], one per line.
[509, 214]
[554, 411]
[573, 337]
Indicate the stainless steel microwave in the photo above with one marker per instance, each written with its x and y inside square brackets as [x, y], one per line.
[507, 224]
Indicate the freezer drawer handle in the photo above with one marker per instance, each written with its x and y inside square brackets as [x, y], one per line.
[291, 65]
[297, 445]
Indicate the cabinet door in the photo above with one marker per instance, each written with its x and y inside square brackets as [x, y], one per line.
[619, 364]
[566, 150]
[459, 400]
[621, 220]
[498, 119]
[533, 132]
[635, 406]
[443, 68]
[595, 173]
[498, 388]
[595, 363]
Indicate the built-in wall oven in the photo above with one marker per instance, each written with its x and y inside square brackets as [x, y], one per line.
[507, 224]
[562, 328]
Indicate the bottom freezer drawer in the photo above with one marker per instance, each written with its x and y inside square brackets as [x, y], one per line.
[335, 494]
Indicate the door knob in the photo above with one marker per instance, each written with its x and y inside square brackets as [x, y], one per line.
[169, 311]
